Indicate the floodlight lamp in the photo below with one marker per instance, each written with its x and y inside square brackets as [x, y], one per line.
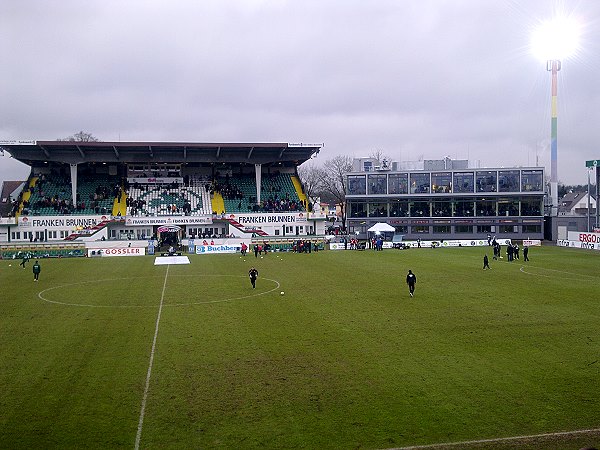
[556, 39]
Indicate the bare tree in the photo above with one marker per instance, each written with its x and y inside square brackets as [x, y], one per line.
[81, 136]
[334, 181]
[379, 155]
[311, 177]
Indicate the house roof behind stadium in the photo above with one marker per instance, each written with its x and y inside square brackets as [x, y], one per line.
[32, 152]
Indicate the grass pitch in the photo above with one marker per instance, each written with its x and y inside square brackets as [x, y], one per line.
[345, 359]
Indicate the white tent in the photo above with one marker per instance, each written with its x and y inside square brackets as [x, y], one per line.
[381, 226]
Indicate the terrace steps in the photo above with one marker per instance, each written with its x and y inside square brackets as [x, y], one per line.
[26, 194]
[298, 187]
[218, 203]
[120, 208]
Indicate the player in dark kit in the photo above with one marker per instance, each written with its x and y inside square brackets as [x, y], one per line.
[486, 262]
[253, 274]
[36, 271]
[411, 280]
[25, 259]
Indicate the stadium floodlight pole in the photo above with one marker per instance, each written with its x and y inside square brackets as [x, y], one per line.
[553, 66]
[552, 42]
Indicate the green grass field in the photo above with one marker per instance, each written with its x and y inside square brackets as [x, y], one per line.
[345, 359]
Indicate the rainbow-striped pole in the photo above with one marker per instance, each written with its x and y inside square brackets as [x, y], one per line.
[554, 66]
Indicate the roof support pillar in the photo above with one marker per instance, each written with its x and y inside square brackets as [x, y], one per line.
[74, 183]
[258, 171]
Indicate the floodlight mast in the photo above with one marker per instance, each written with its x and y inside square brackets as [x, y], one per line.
[554, 66]
[553, 41]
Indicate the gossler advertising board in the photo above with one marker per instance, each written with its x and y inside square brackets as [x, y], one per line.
[128, 251]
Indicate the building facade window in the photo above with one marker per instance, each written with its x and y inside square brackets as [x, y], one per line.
[419, 183]
[376, 184]
[398, 183]
[441, 229]
[420, 229]
[463, 229]
[464, 182]
[358, 209]
[532, 180]
[399, 208]
[486, 180]
[441, 208]
[507, 229]
[531, 207]
[420, 209]
[464, 207]
[378, 210]
[485, 208]
[508, 207]
[441, 182]
[532, 229]
[357, 184]
[509, 180]
[484, 229]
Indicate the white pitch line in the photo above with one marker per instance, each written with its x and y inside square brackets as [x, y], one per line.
[490, 441]
[244, 297]
[522, 269]
[145, 397]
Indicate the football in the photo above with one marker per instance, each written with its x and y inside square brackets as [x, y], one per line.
[282, 292]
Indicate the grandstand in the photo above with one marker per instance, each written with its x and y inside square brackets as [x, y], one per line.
[52, 196]
[108, 190]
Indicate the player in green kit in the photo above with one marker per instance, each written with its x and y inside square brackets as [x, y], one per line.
[36, 271]
[411, 280]
[253, 274]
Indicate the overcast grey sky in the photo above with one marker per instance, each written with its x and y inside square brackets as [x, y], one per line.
[412, 78]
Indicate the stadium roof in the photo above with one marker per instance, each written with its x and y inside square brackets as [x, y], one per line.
[75, 152]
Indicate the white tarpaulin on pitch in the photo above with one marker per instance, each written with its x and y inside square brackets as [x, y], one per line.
[165, 260]
[381, 226]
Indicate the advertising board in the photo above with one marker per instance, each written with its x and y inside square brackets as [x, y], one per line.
[111, 252]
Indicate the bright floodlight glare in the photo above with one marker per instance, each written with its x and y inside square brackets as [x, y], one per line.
[556, 39]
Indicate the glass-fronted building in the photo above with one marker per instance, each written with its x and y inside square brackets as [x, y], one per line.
[453, 203]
